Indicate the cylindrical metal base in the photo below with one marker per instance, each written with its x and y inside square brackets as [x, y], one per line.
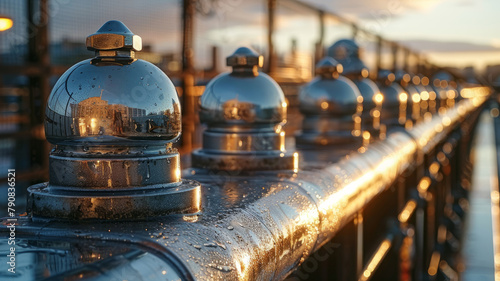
[242, 142]
[117, 205]
[248, 162]
[113, 172]
[330, 139]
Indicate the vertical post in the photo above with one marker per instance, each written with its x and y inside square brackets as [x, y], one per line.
[419, 244]
[271, 8]
[359, 243]
[395, 50]
[379, 55]
[354, 31]
[215, 59]
[419, 63]
[320, 50]
[39, 87]
[188, 73]
[406, 62]
[427, 69]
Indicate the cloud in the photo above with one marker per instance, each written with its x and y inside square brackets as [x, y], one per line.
[366, 8]
[447, 46]
[420, 4]
[495, 42]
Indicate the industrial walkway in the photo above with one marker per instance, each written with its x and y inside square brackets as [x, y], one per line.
[482, 222]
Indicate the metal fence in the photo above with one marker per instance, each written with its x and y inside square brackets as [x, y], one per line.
[393, 211]
[46, 39]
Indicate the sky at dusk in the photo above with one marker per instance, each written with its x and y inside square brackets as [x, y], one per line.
[459, 32]
[450, 32]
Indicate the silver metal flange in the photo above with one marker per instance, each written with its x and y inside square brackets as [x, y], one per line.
[135, 204]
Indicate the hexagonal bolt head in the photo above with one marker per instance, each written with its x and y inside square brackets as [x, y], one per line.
[113, 35]
[244, 56]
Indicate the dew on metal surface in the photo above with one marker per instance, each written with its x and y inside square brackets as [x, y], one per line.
[221, 245]
[222, 268]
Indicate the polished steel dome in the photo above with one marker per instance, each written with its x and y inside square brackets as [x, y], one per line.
[329, 92]
[244, 96]
[114, 98]
[346, 52]
[331, 105]
[112, 119]
[370, 93]
[391, 90]
[395, 102]
[244, 111]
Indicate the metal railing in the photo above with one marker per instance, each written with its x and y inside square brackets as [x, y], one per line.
[37, 66]
[389, 212]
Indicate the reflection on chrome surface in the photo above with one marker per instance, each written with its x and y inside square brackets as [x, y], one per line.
[110, 103]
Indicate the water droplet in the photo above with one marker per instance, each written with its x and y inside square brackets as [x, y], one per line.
[230, 227]
[142, 78]
[156, 104]
[197, 247]
[223, 268]
[211, 244]
[85, 148]
[221, 245]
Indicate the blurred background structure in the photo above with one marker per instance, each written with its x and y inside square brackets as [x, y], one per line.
[189, 40]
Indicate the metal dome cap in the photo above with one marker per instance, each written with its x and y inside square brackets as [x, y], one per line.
[385, 76]
[443, 75]
[245, 96]
[244, 111]
[346, 52]
[114, 98]
[389, 88]
[394, 104]
[329, 92]
[402, 76]
[331, 105]
[112, 119]
[446, 88]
